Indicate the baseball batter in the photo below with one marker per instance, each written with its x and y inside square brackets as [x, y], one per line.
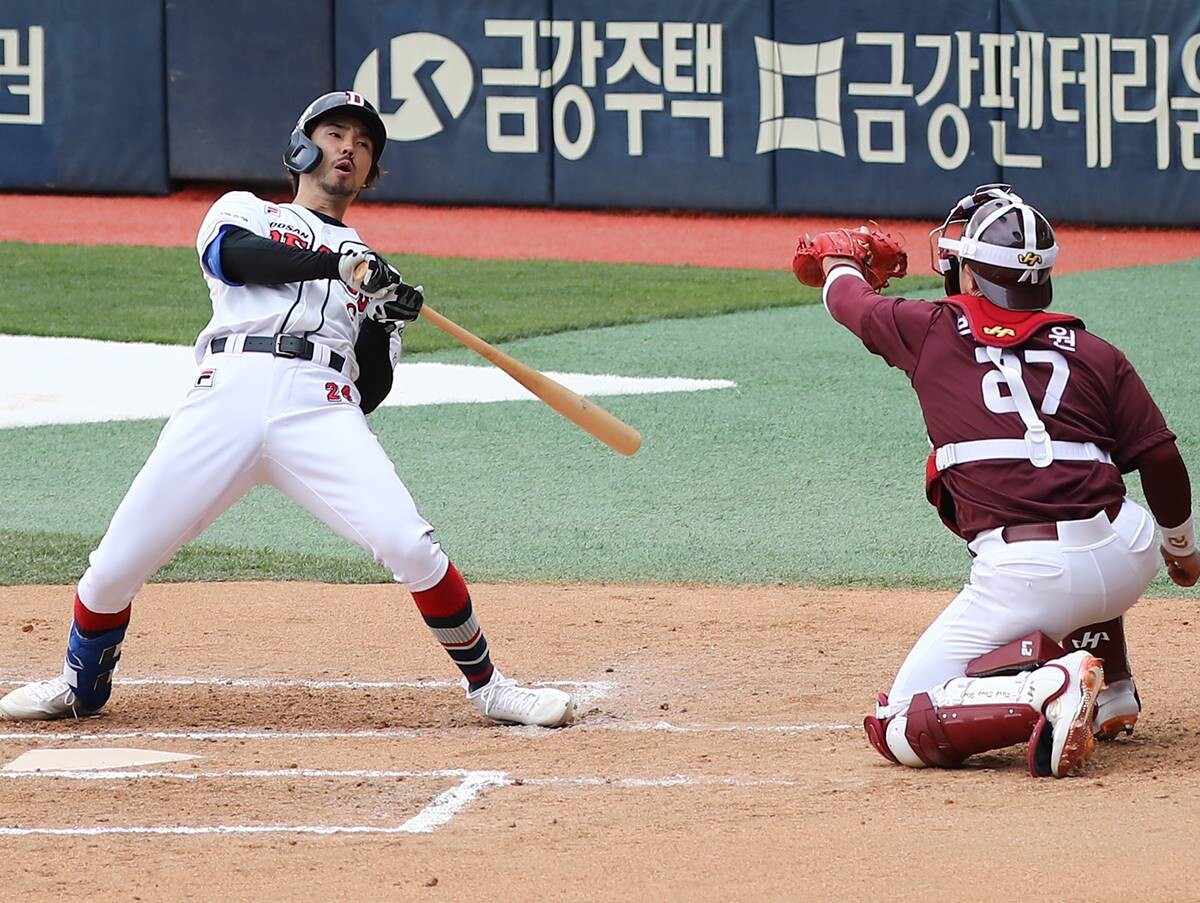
[1033, 420]
[305, 333]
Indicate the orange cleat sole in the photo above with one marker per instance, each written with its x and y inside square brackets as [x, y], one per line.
[1081, 742]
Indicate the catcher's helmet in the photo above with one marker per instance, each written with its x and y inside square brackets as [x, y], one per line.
[302, 153]
[1009, 244]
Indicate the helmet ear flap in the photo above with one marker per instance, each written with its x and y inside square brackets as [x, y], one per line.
[302, 154]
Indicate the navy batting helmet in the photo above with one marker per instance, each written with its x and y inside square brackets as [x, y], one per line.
[302, 153]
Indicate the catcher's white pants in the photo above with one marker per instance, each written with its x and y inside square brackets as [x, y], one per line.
[1095, 571]
[262, 419]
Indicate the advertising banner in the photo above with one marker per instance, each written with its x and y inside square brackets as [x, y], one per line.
[82, 96]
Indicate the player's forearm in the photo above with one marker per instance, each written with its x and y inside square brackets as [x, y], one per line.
[373, 353]
[1166, 484]
[251, 259]
[847, 295]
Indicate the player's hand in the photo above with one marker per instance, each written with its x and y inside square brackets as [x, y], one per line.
[1183, 571]
[398, 308]
[368, 272]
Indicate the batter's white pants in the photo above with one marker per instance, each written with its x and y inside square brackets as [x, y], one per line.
[1095, 571]
[262, 419]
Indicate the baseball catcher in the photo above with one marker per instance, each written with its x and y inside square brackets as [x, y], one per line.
[1033, 421]
[305, 333]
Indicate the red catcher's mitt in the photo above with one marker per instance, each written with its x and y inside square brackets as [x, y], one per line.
[878, 255]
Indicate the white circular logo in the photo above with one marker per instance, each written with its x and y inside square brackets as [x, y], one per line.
[435, 58]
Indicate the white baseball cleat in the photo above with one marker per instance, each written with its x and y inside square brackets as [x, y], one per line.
[501, 699]
[1117, 710]
[1063, 740]
[42, 700]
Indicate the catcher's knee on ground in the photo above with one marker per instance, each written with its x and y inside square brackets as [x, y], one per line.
[999, 703]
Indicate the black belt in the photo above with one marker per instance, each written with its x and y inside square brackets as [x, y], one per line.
[281, 346]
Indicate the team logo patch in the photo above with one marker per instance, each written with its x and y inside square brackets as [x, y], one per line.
[999, 332]
[205, 379]
[1030, 259]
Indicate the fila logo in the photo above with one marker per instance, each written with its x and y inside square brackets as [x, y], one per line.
[999, 332]
[1090, 640]
[1026, 648]
[205, 379]
[1030, 259]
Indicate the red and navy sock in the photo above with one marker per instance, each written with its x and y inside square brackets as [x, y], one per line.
[446, 609]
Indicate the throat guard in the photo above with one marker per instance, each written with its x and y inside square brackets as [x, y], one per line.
[1000, 327]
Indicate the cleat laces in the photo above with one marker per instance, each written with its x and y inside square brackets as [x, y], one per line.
[47, 690]
[504, 698]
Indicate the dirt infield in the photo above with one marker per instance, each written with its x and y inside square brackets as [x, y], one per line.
[750, 242]
[717, 756]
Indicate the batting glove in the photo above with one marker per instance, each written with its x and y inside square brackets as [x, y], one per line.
[400, 307]
[379, 277]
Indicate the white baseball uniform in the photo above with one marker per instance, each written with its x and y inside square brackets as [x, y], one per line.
[254, 418]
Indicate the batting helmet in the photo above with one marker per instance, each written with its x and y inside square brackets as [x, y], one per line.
[302, 153]
[1009, 244]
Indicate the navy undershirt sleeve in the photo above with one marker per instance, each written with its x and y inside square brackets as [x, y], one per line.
[237, 256]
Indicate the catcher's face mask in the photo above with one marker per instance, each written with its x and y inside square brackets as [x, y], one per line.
[1010, 245]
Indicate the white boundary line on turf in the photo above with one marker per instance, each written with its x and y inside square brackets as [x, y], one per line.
[407, 733]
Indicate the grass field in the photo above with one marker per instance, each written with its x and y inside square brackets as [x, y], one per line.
[809, 472]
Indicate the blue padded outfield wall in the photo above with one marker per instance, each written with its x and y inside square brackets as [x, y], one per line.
[1091, 107]
[233, 92]
[82, 96]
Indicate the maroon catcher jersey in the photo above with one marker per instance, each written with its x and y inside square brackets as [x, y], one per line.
[1101, 399]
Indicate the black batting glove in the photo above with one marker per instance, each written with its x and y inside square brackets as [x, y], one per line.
[400, 307]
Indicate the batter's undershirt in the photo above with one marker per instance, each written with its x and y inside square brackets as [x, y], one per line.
[249, 258]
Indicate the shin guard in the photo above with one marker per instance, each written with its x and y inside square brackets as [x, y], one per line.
[942, 737]
[90, 663]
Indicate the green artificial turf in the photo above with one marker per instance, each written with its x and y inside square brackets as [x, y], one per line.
[809, 472]
[137, 294]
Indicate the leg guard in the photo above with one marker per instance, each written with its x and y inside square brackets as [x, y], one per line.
[90, 663]
[943, 737]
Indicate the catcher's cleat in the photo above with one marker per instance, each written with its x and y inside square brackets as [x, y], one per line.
[501, 699]
[1062, 740]
[1117, 710]
[42, 700]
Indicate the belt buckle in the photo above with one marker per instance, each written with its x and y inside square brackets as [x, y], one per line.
[279, 350]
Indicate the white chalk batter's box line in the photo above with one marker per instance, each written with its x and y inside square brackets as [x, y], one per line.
[273, 683]
[585, 691]
[435, 814]
[636, 727]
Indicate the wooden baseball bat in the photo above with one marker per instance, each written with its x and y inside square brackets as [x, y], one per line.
[615, 433]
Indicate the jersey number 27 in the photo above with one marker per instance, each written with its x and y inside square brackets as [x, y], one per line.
[994, 378]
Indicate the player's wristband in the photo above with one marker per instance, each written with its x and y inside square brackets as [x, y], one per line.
[1179, 541]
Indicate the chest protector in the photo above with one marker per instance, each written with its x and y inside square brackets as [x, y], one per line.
[997, 329]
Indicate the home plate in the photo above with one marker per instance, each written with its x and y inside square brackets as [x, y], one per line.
[90, 759]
